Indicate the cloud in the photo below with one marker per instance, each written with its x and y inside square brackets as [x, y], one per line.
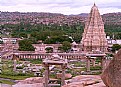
[59, 6]
[7, 2]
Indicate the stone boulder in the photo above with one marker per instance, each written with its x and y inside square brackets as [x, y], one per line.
[67, 75]
[85, 81]
[74, 84]
[28, 85]
[30, 82]
[112, 74]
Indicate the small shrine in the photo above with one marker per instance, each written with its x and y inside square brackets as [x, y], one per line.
[54, 60]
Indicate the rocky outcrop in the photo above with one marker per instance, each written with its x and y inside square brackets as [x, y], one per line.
[75, 84]
[112, 74]
[30, 82]
[85, 81]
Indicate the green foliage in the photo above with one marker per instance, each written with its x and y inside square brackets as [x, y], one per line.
[55, 31]
[116, 47]
[96, 73]
[95, 68]
[110, 55]
[49, 50]
[98, 59]
[25, 45]
[33, 40]
[7, 72]
[14, 77]
[76, 36]
[41, 31]
[57, 39]
[114, 31]
[20, 67]
[22, 35]
[66, 46]
[33, 61]
[6, 82]
[112, 28]
[1, 42]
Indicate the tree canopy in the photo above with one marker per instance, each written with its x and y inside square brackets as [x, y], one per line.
[26, 45]
[116, 47]
[66, 46]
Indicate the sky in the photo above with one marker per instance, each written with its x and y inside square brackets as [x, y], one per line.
[66, 7]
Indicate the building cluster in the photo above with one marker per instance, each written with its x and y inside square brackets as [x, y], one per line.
[11, 44]
[39, 48]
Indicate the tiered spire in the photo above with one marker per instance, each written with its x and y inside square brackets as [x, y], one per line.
[94, 37]
[94, 4]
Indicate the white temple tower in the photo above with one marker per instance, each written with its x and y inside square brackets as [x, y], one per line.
[94, 37]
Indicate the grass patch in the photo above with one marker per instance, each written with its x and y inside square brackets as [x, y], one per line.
[33, 61]
[6, 82]
[7, 71]
[95, 68]
[14, 77]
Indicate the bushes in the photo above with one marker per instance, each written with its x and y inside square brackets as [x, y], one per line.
[33, 61]
[12, 73]
[6, 82]
[15, 75]
[20, 67]
[95, 68]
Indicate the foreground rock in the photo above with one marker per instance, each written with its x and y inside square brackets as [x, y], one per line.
[74, 84]
[30, 82]
[112, 74]
[5, 85]
[85, 81]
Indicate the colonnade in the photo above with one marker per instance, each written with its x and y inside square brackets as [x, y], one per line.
[67, 56]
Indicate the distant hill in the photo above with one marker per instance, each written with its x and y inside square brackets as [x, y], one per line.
[109, 18]
[112, 18]
[84, 14]
[54, 18]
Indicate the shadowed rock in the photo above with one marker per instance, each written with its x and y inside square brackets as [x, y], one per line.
[112, 74]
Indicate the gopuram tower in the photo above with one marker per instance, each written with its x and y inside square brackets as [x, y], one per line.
[94, 37]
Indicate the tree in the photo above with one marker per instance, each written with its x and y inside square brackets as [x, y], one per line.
[65, 46]
[57, 39]
[26, 45]
[22, 35]
[1, 42]
[33, 40]
[115, 47]
[49, 50]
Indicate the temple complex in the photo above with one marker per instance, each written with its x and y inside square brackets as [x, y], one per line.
[94, 37]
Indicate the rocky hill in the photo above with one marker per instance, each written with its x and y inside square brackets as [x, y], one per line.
[112, 18]
[54, 18]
